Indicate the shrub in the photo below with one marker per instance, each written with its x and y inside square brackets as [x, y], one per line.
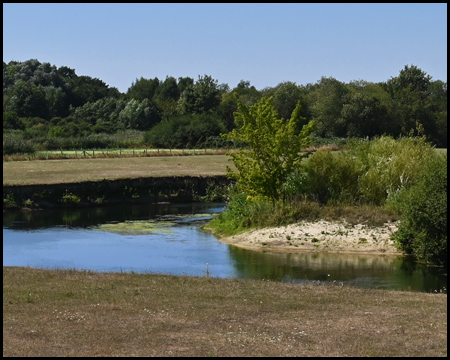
[184, 131]
[388, 165]
[69, 198]
[333, 178]
[423, 226]
[15, 146]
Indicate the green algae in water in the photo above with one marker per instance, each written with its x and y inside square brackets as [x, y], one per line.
[137, 227]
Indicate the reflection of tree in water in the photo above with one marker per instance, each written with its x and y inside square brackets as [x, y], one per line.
[417, 275]
[86, 217]
[387, 271]
[408, 265]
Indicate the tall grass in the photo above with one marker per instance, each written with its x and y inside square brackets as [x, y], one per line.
[366, 172]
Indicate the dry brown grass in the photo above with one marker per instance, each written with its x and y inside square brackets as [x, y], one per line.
[79, 313]
[78, 170]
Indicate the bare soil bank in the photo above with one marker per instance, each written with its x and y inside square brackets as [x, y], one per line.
[106, 192]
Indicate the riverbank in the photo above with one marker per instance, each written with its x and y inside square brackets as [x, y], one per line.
[320, 236]
[149, 190]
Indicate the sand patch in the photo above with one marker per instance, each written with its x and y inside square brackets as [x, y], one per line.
[326, 236]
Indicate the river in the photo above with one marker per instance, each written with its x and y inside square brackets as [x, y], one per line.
[168, 239]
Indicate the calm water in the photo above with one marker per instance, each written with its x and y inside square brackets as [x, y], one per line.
[71, 239]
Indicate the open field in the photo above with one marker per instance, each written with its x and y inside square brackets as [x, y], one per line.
[78, 313]
[78, 170]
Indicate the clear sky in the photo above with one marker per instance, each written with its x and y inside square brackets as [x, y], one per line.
[262, 43]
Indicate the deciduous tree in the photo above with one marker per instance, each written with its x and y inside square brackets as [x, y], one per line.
[274, 148]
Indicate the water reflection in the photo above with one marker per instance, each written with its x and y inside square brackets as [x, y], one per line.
[67, 238]
[369, 271]
[85, 217]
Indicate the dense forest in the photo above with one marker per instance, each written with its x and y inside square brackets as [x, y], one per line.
[45, 107]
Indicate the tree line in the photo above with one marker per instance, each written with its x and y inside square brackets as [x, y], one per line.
[42, 102]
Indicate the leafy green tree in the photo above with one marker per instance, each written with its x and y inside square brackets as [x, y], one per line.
[66, 72]
[202, 97]
[28, 100]
[167, 90]
[184, 131]
[438, 104]
[228, 106]
[184, 82]
[423, 226]
[143, 89]
[140, 115]
[83, 89]
[410, 101]
[327, 99]
[243, 92]
[285, 98]
[364, 116]
[57, 101]
[11, 121]
[274, 148]
[247, 93]
[105, 111]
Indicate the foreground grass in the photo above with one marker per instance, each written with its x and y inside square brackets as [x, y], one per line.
[82, 313]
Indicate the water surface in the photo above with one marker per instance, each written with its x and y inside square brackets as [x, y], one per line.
[74, 239]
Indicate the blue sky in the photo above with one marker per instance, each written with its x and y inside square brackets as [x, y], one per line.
[262, 43]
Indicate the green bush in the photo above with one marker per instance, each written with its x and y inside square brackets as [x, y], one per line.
[333, 178]
[387, 165]
[184, 131]
[423, 226]
[366, 172]
[15, 146]
[69, 198]
[234, 217]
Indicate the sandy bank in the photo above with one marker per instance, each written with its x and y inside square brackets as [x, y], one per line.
[337, 237]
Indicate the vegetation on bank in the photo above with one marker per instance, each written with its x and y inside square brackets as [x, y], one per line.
[403, 179]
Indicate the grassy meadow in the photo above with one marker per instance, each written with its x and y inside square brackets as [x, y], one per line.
[63, 313]
[78, 170]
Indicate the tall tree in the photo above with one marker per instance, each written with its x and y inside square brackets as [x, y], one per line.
[143, 89]
[410, 100]
[202, 97]
[275, 148]
[140, 115]
[285, 98]
[327, 99]
[364, 116]
[27, 100]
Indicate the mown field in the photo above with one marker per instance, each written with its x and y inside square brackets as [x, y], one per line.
[77, 313]
[88, 169]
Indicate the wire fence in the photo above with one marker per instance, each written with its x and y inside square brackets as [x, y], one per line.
[112, 153]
